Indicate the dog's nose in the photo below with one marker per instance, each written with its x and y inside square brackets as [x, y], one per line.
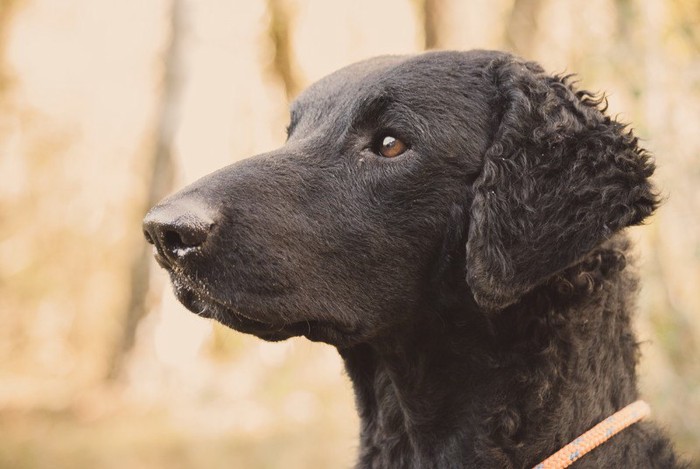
[177, 229]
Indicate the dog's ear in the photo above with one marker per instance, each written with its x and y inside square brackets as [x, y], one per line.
[559, 178]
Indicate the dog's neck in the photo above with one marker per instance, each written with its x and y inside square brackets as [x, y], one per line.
[499, 389]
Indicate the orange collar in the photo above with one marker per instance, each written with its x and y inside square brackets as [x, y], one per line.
[596, 436]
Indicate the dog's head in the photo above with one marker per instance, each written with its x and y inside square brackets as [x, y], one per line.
[397, 173]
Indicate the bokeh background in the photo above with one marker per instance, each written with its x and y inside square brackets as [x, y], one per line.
[106, 106]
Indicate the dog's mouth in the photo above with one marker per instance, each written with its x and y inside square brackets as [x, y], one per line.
[203, 304]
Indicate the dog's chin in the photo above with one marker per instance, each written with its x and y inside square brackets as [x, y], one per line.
[319, 331]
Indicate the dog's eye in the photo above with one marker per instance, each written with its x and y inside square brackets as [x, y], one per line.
[391, 147]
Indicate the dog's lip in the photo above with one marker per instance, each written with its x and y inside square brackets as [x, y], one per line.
[204, 305]
[162, 261]
[189, 291]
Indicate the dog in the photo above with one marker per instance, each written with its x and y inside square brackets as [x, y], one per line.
[453, 223]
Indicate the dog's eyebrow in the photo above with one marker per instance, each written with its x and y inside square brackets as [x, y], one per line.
[369, 109]
[360, 112]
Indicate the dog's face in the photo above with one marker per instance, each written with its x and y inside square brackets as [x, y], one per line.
[398, 172]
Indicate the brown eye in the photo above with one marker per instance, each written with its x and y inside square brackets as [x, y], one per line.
[391, 147]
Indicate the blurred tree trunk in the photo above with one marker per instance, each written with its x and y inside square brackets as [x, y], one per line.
[7, 8]
[433, 24]
[279, 31]
[521, 30]
[160, 183]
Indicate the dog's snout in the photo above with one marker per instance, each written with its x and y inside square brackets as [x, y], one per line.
[177, 229]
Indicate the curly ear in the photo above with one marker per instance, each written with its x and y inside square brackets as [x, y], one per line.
[559, 178]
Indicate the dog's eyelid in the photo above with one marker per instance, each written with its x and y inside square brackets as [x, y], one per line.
[395, 132]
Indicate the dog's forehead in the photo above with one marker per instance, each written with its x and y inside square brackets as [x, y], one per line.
[349, 84]
[407, 75]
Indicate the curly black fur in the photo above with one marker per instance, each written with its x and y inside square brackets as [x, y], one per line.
[553, 145]
[477, 286]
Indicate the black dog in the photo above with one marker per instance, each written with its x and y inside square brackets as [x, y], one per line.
[451, 223]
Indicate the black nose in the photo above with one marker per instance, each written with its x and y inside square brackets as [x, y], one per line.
[177, 229]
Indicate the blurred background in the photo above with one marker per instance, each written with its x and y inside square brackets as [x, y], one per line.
[107, 106]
